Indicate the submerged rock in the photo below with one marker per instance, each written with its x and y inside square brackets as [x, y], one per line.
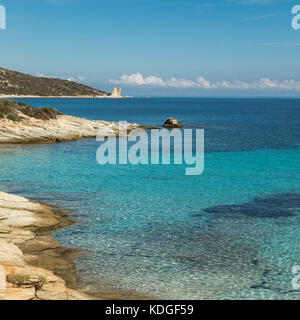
[173, 123]
[274, 206]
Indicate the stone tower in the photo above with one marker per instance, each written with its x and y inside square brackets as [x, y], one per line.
[116, 93]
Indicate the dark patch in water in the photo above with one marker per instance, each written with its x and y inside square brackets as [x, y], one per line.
[276, 206]
[284, 201]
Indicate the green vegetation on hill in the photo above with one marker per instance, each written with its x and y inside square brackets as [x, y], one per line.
[13, 111]
[16, 83]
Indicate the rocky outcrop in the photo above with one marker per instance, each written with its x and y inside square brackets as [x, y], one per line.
[173, 123]
[63, 128]
[24, 254]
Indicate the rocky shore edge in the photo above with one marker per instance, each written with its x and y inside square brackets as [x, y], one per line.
[63, 128]
[33, 266]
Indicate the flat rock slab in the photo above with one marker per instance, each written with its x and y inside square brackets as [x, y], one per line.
[64, 128]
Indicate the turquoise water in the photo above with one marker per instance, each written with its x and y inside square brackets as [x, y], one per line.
[232, 232]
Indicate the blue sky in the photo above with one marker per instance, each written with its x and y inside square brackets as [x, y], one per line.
[158, 47]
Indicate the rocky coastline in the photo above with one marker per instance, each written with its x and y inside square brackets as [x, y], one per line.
[63, 128]
[35, 266]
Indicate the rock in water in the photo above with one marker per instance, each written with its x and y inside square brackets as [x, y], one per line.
[173, 123]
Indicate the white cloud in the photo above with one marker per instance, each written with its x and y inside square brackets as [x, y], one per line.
[137, 79]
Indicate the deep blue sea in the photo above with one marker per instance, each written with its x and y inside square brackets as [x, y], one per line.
[231, 233]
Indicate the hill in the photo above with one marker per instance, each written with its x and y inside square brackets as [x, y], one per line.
[17, 83]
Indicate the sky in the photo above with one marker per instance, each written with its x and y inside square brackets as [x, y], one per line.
[158, 47]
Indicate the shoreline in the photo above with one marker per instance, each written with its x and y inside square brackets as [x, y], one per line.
[62, 129]
[27, 249]
[34, 263]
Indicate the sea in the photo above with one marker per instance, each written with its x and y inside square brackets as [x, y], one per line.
[232, 232]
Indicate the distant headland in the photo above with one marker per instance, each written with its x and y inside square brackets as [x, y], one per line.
[15, 84]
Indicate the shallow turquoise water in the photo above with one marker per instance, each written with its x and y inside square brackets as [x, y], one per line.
[154, 230]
